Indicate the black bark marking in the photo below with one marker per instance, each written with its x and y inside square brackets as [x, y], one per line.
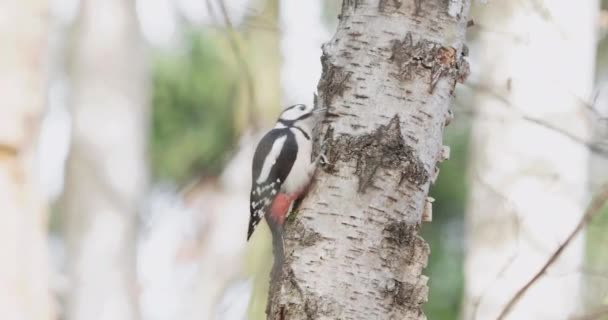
[417, 7]
[383, 148]
[417, 58]
[402, 294]
[401, 240]
[310, 306]
[404, 248]
[384, 4]
[350, 6]
[310, 239]
[304, 236]
[333, 81]
[401, 234]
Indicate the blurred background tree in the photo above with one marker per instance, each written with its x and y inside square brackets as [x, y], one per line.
[107, 168]
[525, 199]
[24, 269]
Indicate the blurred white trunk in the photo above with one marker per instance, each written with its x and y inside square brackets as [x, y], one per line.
[529, 182]
[107, 169]
[217, 253]
[302, 34]
[190, 252]
[24, 264]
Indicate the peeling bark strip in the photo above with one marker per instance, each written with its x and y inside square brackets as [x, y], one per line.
[352, 249]
[383, 148]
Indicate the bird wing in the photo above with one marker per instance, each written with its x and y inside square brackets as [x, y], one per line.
[272, 162]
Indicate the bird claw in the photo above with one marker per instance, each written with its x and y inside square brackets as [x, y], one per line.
[322, 159]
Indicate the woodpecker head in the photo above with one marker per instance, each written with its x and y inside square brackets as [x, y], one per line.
[299, 115]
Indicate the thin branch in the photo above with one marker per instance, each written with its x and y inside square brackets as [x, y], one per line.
[241, 61]
[596, 205]
[513, 209]
[477, 302]
[593, 147]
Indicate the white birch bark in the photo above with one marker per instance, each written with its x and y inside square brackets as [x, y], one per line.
[24, 263]
[107, 170]
[352, 249]
[529, 182]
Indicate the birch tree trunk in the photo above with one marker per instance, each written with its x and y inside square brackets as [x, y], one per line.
[529, 181]
[107, 174]
[24, 263]
[352, 248]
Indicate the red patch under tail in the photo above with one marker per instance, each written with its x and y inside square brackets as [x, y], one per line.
[280, 207]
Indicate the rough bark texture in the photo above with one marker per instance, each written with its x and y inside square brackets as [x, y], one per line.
[24, 263]
[352, 247]
[107, 171]
[529, 182]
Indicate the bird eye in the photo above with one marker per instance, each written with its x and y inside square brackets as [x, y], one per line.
[302, 107]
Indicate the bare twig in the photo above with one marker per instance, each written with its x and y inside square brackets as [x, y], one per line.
[596, 205]
[477, 301]
[593, 147]
[241, 61]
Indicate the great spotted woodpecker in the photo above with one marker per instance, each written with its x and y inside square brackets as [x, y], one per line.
[282, 169]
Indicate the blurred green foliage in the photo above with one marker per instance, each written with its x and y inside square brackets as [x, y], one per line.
[597, 255]
[193, 114]
[445, 234]
[596, 290]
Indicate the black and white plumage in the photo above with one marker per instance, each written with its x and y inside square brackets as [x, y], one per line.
[282, 166]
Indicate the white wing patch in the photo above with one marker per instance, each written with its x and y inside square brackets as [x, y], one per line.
[271, 159]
